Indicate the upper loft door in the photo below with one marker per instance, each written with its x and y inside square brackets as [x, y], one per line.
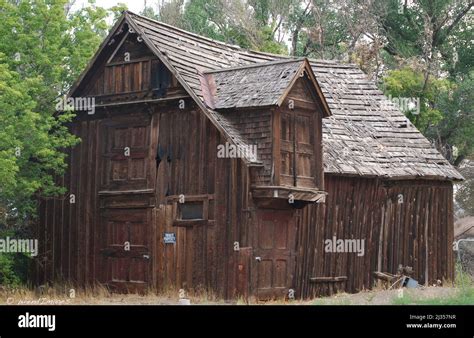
[297, 142]
[125, 154]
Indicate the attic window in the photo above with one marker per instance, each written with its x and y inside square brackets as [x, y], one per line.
[191, 210]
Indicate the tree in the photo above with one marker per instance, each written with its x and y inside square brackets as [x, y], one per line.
[445, 114]
[465, 190]
[430, 30]
[43, 49]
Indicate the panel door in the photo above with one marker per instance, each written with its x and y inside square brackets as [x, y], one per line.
[125, 155]
[274, 254]
[297, 142]
[126, 254]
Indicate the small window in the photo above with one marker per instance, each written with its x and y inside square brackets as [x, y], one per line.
[191, 210]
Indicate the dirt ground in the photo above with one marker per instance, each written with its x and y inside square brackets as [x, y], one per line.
[377, 297]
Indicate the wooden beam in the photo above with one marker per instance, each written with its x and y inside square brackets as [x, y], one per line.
[276, 136]
[328, 279]
[165, 99]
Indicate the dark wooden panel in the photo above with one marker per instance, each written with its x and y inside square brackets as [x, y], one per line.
[274, 254]
[125, 247]
[126, 154]
[394, 233]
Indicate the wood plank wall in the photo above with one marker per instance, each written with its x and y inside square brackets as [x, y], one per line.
[69, 234]
[358, 208]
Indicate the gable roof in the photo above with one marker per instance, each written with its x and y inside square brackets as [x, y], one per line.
[256, 85]
[366, 135]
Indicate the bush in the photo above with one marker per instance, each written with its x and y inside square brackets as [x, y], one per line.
[13, 266]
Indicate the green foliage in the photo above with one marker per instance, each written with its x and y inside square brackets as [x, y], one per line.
[7, 273]
[457, 126]
[231, 22]
[465, 190]
[325, 34]
[446, 109]
[43, 49]
[30, 144]
[407, 83]
[268, 44]
[204, 18]
[13, 266]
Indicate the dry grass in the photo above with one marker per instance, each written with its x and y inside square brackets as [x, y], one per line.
[99, 295]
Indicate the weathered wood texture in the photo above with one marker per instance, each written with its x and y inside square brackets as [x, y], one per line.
[394, 233]
[128, 71]
[366, 135]
[148, 149]
[204, 256]
[83, 242]
[257, 85]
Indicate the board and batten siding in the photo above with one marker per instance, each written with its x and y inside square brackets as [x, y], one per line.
[394, 233]
[71, 236]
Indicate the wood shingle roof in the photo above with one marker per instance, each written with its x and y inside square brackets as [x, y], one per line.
[366, 135]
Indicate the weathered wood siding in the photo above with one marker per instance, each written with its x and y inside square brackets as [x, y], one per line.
[72, 238]
[395, 233]
[203, 257]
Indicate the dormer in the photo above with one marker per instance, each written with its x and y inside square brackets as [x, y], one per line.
[277, 107]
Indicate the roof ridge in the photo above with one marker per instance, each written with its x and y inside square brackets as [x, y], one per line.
[185, 31]
[254, 65]
[342, 86]
[202, 37]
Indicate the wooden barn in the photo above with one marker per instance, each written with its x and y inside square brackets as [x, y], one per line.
[205, 166]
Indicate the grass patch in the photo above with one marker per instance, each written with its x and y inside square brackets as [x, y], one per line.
[460, 297]
[463, 296]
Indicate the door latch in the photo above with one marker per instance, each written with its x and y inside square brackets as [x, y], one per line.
[258, 259]
[146, 256]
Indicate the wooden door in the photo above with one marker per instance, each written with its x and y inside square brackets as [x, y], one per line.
[126, 243]
[305, 151]
[274, 254]
[126, 154]
[297, 142]
[125, 204]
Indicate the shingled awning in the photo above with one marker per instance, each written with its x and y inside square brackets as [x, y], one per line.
[365, 136]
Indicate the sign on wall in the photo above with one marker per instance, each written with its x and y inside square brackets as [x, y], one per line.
[169, 238]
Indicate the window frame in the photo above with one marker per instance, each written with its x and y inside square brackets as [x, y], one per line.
[206, 201]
